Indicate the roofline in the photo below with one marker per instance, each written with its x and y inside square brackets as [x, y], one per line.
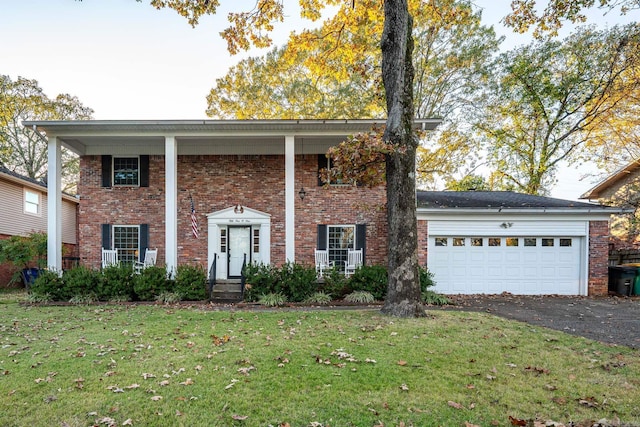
[604, 210]
[40, 187]
[620, 174]
[177, 125]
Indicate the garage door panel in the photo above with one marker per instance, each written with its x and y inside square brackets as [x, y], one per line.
[523, 270]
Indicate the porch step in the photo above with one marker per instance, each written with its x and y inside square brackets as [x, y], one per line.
[227, 291]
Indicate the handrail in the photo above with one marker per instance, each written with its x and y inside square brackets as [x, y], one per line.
[212, 276]
[243, 278]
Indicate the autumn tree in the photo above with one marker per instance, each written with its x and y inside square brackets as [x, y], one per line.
[24, 149]
[319, 76]
[547, 17]
[547, 97]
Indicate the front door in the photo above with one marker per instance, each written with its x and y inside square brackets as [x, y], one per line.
[239, 246]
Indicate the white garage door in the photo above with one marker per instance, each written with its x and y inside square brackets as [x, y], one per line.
[520, 265]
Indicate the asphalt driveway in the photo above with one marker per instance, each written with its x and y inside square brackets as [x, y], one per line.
[607, 319]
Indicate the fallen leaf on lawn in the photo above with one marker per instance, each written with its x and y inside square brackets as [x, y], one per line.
[132, 386]
[233, 382]
[188, 381]
[536, 370]
[468, 424]
[516, 421]
[402, 362]
[470, 386]
[559, 400]
[550, 387]
[147, 376]
[491, 377]
[239, 417]
[164, 383]
[156, 398]
[284, 425]
[367, 360]
[588, 401]
[127, 422]
[107, 420]
[178, 413]
[404, 387]
[455, 404]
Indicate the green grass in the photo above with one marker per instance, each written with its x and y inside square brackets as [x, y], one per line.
[92, 365]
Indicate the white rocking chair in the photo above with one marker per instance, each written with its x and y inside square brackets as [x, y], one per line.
[109, 258]
[353, 262]
[150, 257]
[322, 262]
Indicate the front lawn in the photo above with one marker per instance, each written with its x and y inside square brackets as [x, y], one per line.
[186, 366]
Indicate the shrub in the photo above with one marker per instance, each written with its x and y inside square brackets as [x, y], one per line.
[319, 298]
[426, 278]
[191, 282]
[272, 299]
[360, 297]
[434, 298]
[261, 279]
[372, 279]
[167, 297]
[48, 283]
[84, 299]
[335, 283]
[79, 282]
[116, 283]
[297, 281]
[150, 283]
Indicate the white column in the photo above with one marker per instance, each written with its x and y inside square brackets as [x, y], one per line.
[290, 197]
[171, 203]
[54, 206]
[265, 243]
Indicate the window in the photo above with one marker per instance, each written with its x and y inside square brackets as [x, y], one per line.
[494, 241]
[547, 242]
[341, 239]
[530, 241]
[565, 242]
[126, 171]
[441, 241]
[31, 202]
[476, 241]
[223, 240]
[126, 238]
[458, 241]
[512, 241]
[256, 240]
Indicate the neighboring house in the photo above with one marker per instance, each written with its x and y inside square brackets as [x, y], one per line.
[255, 193]
[621, 189]
[23, 209]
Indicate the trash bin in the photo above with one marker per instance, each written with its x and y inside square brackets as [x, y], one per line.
[635, 285]
[622, 279]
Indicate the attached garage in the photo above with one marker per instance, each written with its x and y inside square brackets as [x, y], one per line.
[494, 242]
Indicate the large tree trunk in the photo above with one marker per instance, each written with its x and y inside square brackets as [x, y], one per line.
[403, 288]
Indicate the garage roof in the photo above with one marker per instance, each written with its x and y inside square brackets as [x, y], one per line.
[507, 200]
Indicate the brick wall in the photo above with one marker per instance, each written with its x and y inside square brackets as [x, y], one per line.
[423, 242]
[598, 258]
[219, 182]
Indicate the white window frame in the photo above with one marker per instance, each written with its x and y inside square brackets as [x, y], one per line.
[333, 251]
[113, 171]
[124, 252]
[26, 203]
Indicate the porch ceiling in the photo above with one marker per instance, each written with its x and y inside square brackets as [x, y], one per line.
[242, 137]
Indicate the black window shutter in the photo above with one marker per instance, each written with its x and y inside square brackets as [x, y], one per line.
[321, 244]
[144, 171]
[322, 164]
[106, 236]
[361, 239]
[106, 171]
[144, 241]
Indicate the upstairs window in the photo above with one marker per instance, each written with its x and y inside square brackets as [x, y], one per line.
[31, 202]
[126, 171]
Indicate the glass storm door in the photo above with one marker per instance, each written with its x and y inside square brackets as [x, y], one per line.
[239, 246]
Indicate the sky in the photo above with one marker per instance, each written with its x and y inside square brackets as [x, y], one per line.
[129, 61]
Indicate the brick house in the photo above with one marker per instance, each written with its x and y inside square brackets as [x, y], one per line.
[254, 188]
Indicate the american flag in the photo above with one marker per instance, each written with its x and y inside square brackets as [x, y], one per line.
[194, 220]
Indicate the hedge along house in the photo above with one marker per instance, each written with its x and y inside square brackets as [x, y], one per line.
[253, 188]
